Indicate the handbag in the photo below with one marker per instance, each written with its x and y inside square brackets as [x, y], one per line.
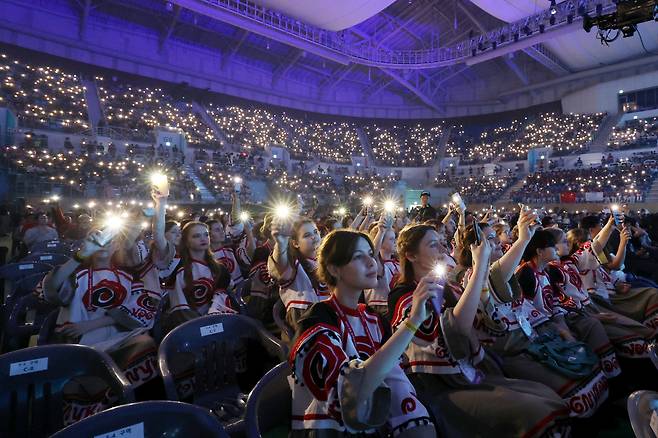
[572, 359]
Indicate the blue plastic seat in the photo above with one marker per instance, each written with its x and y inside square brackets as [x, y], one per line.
[17, 271]
[640, 406]
[221, 357]
[155, 418]
[52, 246]
[47, 328]
[50, 258]
[32, 381]
[25, 320]
[269, 405]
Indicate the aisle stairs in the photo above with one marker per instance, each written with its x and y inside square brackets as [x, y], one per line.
[206, 195]
[600, 141]
[652, 196]
[365, 145]
[94, 110]
[506, 198]
[203, 113]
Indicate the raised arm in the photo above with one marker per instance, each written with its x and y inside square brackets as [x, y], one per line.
[467, 305]
[617, 262]
[509, 262]
[280, 261]
[388, 356]
[601, 239]
[159, 222]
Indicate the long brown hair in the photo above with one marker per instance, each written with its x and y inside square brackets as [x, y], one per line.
[220, 275]
[408, 242]
[296, 256]
[576, 237]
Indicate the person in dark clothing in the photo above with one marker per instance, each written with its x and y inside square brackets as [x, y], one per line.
[425, 211]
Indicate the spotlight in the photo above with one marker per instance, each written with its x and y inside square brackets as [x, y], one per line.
[553, 8]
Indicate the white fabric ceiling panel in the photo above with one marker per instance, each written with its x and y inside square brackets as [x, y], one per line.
[332, 15]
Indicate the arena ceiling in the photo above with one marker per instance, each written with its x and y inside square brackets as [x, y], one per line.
[431, 53]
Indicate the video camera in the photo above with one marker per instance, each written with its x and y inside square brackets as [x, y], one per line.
[628, 15]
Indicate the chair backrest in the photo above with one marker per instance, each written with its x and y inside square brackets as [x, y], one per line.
[32, 380]
[17, 271]
[640, 406]
[19, 328]
[653, 354]
[148, 419]
[219, 345]
[270, 402]
[50, 258]
[53, 246]
[47, 328]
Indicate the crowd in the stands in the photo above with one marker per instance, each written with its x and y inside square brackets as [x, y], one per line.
[634, 133]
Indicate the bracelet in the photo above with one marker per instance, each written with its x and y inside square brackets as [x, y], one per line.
[410, 326]
[78, 258]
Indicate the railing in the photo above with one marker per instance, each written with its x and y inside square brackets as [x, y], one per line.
[566, 12]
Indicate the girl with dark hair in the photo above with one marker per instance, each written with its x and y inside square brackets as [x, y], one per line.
[293, 265]
[347, 378]
[383, 238]
[630, 338]
[200, 282]
[263, 293]
[223, 253]
[445, 361]
[173, 234]
[563, 311]
[594, 266]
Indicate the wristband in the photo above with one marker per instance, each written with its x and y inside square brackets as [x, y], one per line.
[78, 258]
[410, 326]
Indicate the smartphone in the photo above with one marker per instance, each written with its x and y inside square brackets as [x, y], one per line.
[437, 301]
[478, 236]
[459, 202]
[106, 235]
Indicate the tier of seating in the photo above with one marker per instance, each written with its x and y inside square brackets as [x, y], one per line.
[404, 145]
[625, 181]
[95, 176]
[564, 133]
[42, 96]
[477, 189]
[634, 133]
[141, 109]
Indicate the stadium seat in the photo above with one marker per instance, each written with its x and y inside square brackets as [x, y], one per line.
[269, 406]
[25, 319]
[53, 246]
[32, 380]
[219, 358]
[50, 258]
[640, 406]
[17, 271]
[47, 328]
[149, 419]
